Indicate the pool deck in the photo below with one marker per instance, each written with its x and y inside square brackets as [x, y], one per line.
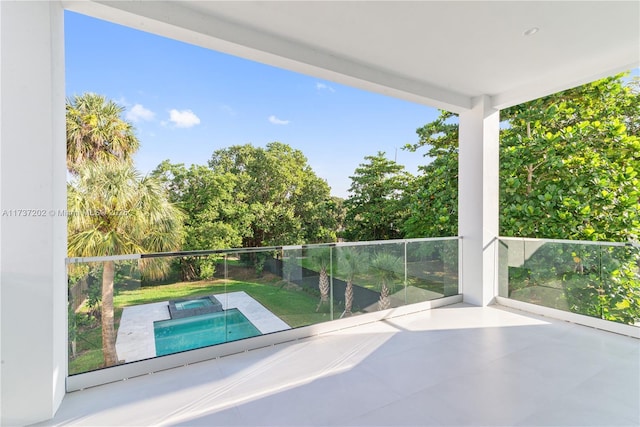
[136, 339]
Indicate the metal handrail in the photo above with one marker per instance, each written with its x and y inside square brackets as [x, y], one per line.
[75, 260]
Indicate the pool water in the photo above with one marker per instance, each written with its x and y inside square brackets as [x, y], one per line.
[177, 335]
[194, 303]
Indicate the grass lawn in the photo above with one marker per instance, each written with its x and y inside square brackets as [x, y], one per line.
[293, 305]
[290, 303]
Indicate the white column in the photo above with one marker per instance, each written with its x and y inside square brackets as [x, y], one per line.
[478, 199]
[33, 289]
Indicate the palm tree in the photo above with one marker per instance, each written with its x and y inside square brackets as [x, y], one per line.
[113, 210]
[96, 132]
[350, 262]
[386, 267]
[321, 258]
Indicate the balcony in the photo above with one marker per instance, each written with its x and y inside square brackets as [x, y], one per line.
[242, 299]
[457, 365]
[428, 360]
[472, 364]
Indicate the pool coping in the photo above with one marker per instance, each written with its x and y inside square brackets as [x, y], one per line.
[136, 339]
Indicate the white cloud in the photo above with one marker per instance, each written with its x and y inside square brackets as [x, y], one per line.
[183, 119]
[277, 121]
[138, 112]
[322, 86]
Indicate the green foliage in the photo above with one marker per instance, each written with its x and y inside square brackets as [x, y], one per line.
[598, 281]
[388, 268]
[351, 261]
[248, 197]
[288, 202]
[375, 209]
[433, 195]
[115, 210]
[320, 258]
[94, 293]
[214, 219]
[96, 132]
[569, 165]
[207, 267]
[259, 261]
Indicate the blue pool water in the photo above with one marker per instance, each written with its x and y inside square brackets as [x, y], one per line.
[194, 303]
[177, 335]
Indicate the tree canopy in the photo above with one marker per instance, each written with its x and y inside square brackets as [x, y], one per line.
[96, 131]
[570, 163]
[569, 166]
[375, 208]
[288, 202]
[252, 196]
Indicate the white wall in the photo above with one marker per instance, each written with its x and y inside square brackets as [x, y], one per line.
[32, 176]
[478, 198]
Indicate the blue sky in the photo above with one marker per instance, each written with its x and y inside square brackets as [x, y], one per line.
[186, 101]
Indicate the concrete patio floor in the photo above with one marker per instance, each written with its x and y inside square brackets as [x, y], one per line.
[453, 366]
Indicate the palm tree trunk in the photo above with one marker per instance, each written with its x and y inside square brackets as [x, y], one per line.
[324, 287]
[108, 330]
[384, 301]
[348, 298]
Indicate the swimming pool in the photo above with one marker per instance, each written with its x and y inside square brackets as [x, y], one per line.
[172, 336]
[194, 303]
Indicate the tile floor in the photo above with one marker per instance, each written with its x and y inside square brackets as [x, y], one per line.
[453, 366]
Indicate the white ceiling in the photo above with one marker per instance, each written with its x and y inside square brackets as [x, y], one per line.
[438, 53]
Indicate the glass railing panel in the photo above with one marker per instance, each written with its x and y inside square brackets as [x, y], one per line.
[450, 256]
[312, 273]
[619, 295]
[431, 270]
[352, 295]
[513, 274]
[296, 296]
[594, 279]
[93, 327]
[383, 275]
[170, 303]
[254, 285]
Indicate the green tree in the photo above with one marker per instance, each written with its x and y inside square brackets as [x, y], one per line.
[288, 202]
[433, 195]
[569, 166]
[387, 268]
[215, 217]
[350, 263]
[321, 259]
[113, 210]
[570, 163]
[375, 208]
[96, 131]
